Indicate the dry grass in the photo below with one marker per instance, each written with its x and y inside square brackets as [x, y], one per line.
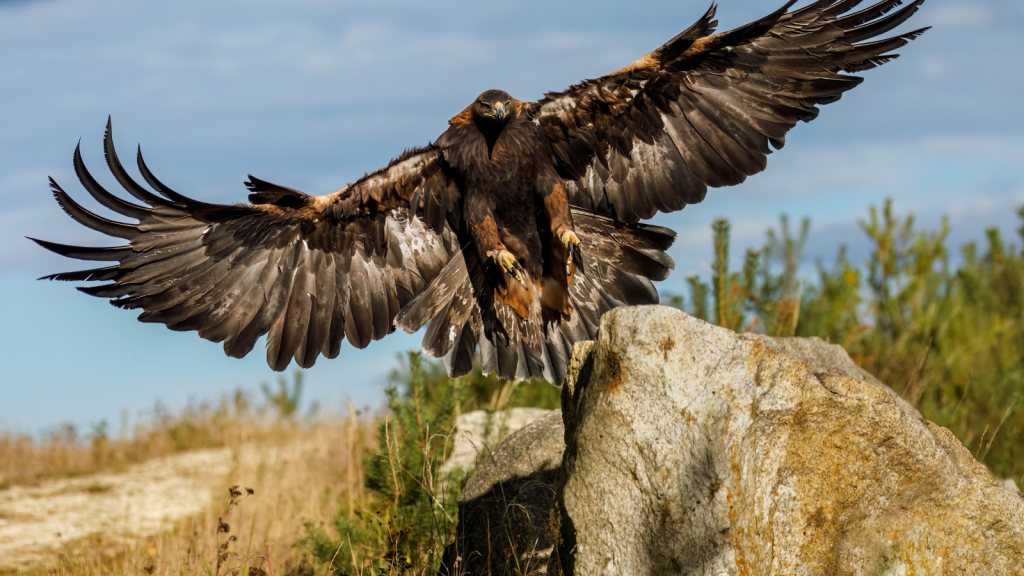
[309, 501]
[297, 472]
[67, 452]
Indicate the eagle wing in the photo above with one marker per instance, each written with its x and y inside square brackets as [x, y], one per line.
[309, 271]
[706, 109]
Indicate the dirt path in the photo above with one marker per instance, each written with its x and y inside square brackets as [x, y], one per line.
[144, 500]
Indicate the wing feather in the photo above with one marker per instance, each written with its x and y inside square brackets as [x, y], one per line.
[111, 254]
[101, 195]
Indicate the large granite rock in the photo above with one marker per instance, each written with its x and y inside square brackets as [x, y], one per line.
[694, 450]
[522, 474]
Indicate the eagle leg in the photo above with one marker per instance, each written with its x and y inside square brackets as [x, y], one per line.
[556, 208]
[480, 219]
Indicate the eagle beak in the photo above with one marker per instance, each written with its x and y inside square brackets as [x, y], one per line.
[499, 111]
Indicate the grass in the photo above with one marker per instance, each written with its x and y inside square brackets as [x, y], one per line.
[298, 475]
[97, 488]
[338, 494]
[232, 421]
[65, 452]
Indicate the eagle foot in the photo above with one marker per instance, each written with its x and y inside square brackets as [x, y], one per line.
[510, 265]
[573, 251]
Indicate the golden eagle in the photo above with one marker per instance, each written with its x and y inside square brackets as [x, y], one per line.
[511, 234]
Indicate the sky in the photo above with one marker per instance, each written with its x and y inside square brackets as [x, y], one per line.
[313, 93]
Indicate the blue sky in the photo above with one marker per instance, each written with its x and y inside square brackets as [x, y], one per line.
[312, 94]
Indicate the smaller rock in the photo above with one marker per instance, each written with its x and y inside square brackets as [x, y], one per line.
[478, 431]
[505, 508]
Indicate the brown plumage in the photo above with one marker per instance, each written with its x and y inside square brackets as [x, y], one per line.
[510, 235]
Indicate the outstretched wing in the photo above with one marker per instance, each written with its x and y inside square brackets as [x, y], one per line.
[309, 271]
[703, 109]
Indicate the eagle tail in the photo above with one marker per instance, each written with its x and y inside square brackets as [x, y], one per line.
[517, 337]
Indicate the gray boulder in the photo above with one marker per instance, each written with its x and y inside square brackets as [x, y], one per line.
[477, 432]
[515, 484]
[506, 505]
[695, 450]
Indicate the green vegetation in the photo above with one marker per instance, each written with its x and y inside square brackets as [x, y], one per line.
[949, 339]
[286, 400]
[410, 512]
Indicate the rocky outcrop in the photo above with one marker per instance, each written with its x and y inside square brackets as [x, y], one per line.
[517, 482]
[694, 450]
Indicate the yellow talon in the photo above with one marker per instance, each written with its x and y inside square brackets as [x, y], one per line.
[509, 265]
[573, 250]
[570, 236]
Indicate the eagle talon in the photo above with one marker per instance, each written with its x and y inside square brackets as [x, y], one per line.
[573, 251]
[519, 273]
[510, 265]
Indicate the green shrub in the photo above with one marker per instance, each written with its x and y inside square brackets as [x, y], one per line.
[413, 511]
[285, 400]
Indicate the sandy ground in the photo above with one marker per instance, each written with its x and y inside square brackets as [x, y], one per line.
[36, 521]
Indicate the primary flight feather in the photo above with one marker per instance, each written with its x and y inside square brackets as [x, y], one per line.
[510, 235]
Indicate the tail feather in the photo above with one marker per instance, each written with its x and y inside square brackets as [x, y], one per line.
[466, 317]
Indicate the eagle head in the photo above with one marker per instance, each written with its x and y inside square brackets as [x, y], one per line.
[493, 108]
